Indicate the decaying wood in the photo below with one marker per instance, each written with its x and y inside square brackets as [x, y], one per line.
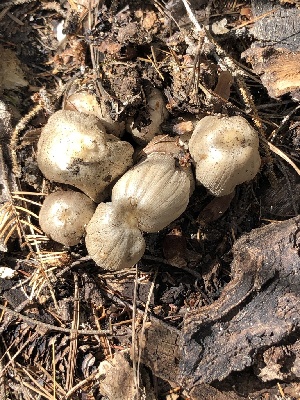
[275, 53]
[279, 26]
[258, 309]
[279, 69]
[117, 380]
[248, 326]
[160, 350]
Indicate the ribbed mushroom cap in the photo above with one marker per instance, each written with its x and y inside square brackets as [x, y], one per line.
[113, 239]
[157, 191]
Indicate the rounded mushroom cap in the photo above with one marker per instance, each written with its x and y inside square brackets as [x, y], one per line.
[113, 239]
[64, 215]
[225, 151]
[74, 149]
[86, 102]
[156, 191]
[158, 113]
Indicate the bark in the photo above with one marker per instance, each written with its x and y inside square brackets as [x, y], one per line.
[257, 314]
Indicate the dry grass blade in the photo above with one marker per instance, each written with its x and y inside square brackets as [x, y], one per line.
[11, 225]
[16, 193]
[15, 137]
[145, 319]
[59, 388]
[3, 394]
[7, 218]
[9, 234]
[137, 353]
[31, 226]
[81, 384]
[36, 387]
[11, 359]
[39, 239]
[134, 324]
[54, 371]
[73, 338]
[27, 211]
[281, 154]
[15, 372]
[31, 237]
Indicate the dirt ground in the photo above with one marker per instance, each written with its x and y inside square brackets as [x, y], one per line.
[212, 310]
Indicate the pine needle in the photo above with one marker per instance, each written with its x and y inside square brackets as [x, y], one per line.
[9, 234]
[31, 226]
[27, 211]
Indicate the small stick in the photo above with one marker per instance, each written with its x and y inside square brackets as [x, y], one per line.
[53, 327]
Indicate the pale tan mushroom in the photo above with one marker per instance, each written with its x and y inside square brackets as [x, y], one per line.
[64, 215]
[156, 190]
[74, 149]
[87, 103]
[225, 151]
[113, 239]
[147, 198]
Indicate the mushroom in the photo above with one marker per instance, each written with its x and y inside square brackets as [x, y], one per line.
[64, 215]
[146, 198]
[74, 149]
[113, 239]
[225, 151]
[87, 103]
[156, 190]
[156, 107]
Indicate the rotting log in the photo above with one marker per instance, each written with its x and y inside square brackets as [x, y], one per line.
[254, 323]
[275, 53]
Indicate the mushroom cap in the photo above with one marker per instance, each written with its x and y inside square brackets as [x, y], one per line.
[74, 149]
[158, 113]
[87, 103]
[113, 239]
[156, 190]
[64, 215]
[225, 151]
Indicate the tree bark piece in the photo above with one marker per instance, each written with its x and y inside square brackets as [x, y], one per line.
[258, 309]
[254, 323]
[276, 25]
[275, 53]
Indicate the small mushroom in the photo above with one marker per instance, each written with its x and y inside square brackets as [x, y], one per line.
[158, 113]
[225, 151]
[156, 190]
[64, 215]
[113, 239]
[74, 149]
[87, 103]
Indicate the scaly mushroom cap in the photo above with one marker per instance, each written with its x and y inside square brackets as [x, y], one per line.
[64, 215]
[113, 239]
[74, 149]
[156, 190]
[225, 151]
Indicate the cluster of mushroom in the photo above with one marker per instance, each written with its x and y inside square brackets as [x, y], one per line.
[75, 149]
[146, 198]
